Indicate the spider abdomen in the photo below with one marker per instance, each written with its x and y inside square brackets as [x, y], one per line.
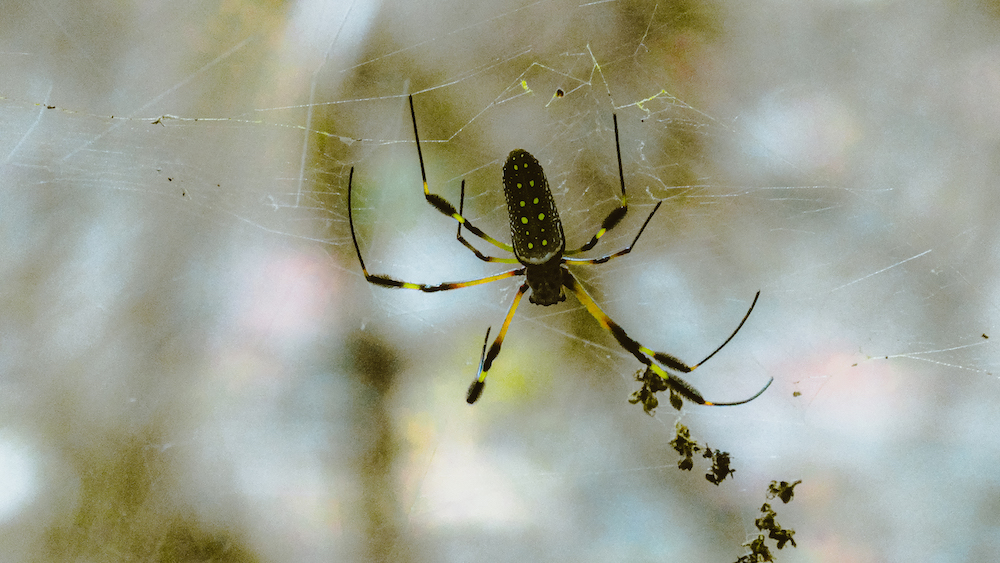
[535, 229]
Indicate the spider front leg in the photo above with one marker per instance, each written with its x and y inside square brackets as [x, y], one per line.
[647, 356]
[386, 281]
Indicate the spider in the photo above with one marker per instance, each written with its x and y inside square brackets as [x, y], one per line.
[539, 247]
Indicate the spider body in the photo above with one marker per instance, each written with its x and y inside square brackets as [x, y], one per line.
[539, 248]
[535, 228]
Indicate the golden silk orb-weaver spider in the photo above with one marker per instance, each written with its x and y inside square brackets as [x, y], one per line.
[539, 247]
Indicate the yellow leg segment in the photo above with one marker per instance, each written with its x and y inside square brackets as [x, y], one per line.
[645, 355]
[486, 360]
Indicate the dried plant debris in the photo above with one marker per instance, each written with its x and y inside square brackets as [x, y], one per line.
[759, 551]
[720, 465]
[654, 379]
[767, 523]
[784, 490]
[651, 385]
[687, 447]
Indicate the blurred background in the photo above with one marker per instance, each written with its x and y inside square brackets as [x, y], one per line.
[193, 368]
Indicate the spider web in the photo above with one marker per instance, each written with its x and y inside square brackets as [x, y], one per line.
[188, 337]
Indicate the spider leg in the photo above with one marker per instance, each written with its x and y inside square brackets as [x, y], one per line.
[738, 327]
[647, 356]
[622, 252]
[440, 203]
[617, 214]
[467, 244]
[486, 360]
[386, 281]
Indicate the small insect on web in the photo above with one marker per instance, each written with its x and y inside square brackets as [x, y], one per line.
[539, 248]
